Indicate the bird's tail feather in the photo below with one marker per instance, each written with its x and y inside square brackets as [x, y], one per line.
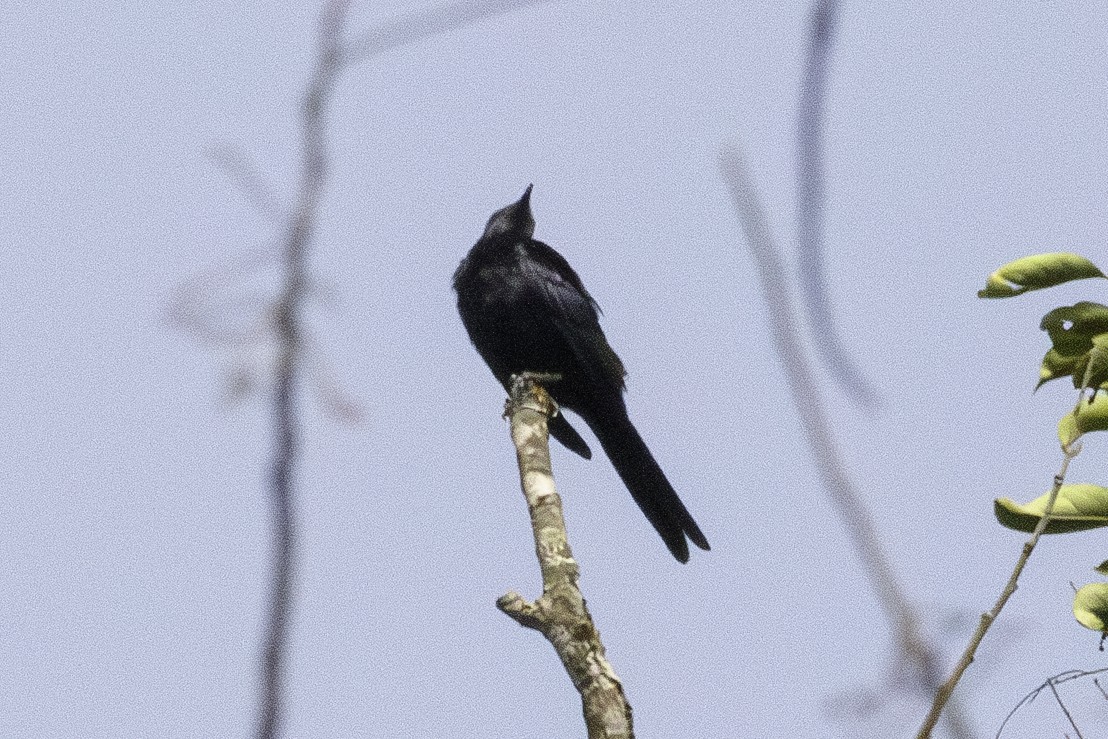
[647, 483]
[561, 430]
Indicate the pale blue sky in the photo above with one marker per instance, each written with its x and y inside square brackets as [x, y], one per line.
[132, 511]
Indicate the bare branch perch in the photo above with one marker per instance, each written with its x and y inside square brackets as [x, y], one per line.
[560, 614]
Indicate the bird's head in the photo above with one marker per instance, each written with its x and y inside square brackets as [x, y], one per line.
[512, 220]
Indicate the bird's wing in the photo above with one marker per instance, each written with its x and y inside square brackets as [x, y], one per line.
[576, 316]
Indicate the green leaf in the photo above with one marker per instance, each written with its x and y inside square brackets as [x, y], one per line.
[1036, 272]
[1089, 417]
[1102, 568]
[1095, 372]
[1057, 365]
[1079, 507]
[1090, 606]
[1072, 327]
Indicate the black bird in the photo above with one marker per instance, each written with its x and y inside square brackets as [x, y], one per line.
[526, 310]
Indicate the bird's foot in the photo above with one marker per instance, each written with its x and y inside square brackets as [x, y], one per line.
[527, 388]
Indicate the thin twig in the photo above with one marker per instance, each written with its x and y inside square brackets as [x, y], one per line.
[1069, 451]
[816, 427]
[810, 200]
[1051, 682]
[1062, 677]
[1065, 710]
[987, 619]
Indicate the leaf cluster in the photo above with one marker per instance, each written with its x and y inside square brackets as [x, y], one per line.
[1079, 350]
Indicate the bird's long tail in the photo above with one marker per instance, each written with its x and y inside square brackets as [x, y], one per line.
[646, 481]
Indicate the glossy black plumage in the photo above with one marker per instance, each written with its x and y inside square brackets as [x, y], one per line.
[526, 310]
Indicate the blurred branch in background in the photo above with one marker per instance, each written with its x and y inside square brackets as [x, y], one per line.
[816, 426]
[288, 317]
[422, 24]
[238, 166]
[810, 200]
[209, 307]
